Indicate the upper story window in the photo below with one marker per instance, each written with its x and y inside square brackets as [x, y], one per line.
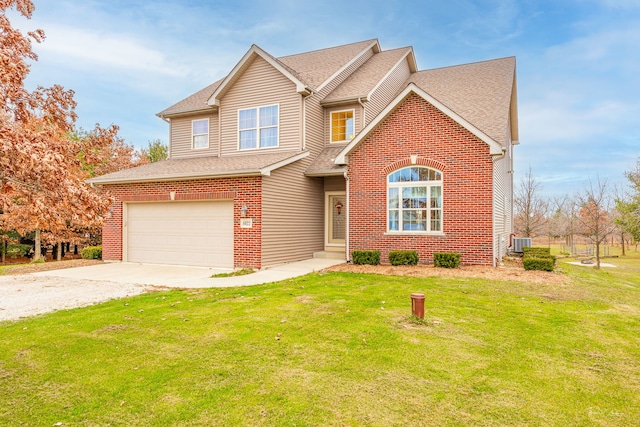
[258, 127]
[414, 196]
[200, 133]
[342, 129]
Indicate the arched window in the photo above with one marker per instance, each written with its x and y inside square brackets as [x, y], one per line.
[414, 196]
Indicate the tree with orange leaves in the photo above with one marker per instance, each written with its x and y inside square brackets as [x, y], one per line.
[43, 168]
[594, 214]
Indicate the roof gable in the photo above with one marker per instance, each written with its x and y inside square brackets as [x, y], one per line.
[310, 71]
[495, 148]
[245, 62]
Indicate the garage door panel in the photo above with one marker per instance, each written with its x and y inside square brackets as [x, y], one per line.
[182, 233]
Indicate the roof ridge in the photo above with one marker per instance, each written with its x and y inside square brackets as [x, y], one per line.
[468, 63]
[328, 48]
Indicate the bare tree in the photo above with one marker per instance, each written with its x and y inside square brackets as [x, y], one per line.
[594, 215]
[530, 209]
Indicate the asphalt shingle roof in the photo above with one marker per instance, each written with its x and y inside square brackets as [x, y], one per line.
[311, 68]
[197, 167]
[195, 102]
[365, 78]
[324, 164]
[317, 66]
[479, 92]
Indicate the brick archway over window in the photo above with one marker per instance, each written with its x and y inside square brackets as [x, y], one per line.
[420, 161]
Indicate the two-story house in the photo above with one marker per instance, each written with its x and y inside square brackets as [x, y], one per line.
[345, 148]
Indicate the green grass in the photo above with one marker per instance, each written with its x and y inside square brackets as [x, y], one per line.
[337, 349]
[240, 272]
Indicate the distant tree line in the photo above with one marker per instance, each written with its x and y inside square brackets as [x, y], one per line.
[595, 213]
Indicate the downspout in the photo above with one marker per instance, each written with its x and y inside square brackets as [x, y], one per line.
[164, 119]
[496, 260]
[364, 113]
[304, 122]
[346, 241]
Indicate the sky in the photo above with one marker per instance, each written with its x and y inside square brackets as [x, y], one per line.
[578, 63]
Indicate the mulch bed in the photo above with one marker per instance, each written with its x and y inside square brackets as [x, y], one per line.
[23, 265]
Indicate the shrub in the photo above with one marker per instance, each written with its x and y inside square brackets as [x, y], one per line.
[16, 249]
[366, 257]
[543, 264]
[536, 252]
[403, 257]
[538, 259]
[92, 252]
[446, 259]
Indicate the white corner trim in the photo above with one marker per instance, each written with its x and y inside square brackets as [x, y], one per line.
[494, 147]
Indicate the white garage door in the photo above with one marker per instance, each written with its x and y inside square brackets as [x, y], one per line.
[180, 233]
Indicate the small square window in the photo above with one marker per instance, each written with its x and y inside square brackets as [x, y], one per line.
[342, 128]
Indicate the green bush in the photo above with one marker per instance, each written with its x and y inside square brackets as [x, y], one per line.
[92, 252]
[537, 252]
[366, 257]
[542, 264]
[16, 249]
[533, 256]
[403, 257]
[446, 259]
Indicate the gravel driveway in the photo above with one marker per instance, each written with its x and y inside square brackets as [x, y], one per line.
[27, 294]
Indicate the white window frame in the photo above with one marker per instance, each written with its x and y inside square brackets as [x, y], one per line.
[193, 135]
[331, 113]
[428, 185]
[259, 128]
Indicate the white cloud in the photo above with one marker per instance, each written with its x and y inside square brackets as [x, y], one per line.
[91, 48]
[551, 121]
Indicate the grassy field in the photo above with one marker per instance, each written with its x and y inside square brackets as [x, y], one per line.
[337, 349]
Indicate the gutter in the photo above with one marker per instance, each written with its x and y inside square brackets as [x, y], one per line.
[347, 234]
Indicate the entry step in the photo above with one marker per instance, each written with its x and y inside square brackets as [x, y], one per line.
[329, 255]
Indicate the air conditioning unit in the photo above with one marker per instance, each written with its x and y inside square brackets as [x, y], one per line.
[521, 242]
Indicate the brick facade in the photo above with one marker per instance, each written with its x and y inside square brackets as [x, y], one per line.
[247, 190]
[417, 128]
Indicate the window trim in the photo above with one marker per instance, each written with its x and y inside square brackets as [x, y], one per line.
[407, 184]
[258, 128]
[193, 135]
[331, 113]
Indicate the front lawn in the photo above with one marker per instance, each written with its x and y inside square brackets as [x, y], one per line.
[336, 349]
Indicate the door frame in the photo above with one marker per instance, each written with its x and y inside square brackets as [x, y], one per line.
[328, 212]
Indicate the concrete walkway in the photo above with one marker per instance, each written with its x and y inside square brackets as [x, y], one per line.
[186, 277]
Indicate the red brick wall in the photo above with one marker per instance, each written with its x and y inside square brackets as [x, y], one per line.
[248, 190]
[417, 128]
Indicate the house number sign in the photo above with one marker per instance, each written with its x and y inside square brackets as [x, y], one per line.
[246, 222]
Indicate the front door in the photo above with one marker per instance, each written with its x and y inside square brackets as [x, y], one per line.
[335, 220]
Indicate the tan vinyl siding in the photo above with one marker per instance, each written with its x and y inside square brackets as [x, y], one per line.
[261, 85]
[502, 204]
[316, 128]
[335, 183]
[387, 90]
[180, 137]
[292, 215]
